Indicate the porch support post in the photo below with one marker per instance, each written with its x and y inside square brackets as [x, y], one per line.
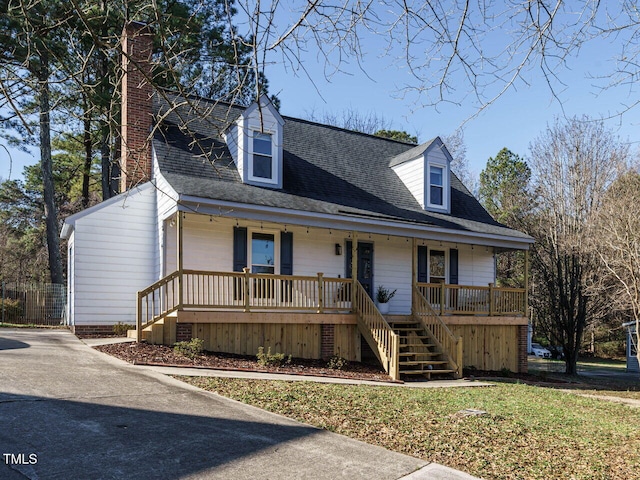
[526, 283]
[492, 302]
[320, 292]
[354, 257]
[246, 282]
[354, 271]
[180, 257]
[414, 268]
[138, 318]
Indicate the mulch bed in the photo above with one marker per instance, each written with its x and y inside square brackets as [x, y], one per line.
[144, 354]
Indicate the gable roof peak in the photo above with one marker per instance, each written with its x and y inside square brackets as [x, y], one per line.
[263, 102]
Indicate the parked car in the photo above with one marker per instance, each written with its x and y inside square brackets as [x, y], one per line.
[539, 351]
[556, 351]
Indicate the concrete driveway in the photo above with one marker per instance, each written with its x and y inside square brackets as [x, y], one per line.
[67, 411]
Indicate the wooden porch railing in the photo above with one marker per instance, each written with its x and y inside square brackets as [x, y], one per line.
[384, 342]
[240, 290]
[449, 345]
[465, 300]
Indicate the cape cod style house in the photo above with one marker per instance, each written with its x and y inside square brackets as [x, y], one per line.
[248, 229]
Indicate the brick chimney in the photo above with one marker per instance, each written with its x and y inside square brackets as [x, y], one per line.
[135, 160]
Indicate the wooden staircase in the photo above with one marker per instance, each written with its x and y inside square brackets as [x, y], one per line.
[418, 353]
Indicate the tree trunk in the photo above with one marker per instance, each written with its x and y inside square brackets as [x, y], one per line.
[46, 165]
[105, 130]
[88, 155]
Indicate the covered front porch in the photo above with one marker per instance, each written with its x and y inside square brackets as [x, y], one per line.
[322, 315]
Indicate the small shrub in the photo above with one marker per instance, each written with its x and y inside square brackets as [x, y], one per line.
[611, 349]
[190, 349]
[121, 329]
[505, 372]
[13, 309]
[271, 359]
[337, 363]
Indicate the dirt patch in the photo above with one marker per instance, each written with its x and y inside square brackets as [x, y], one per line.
[144, 354]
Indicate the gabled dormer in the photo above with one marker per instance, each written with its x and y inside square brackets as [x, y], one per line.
[255, 142]
[426, 172]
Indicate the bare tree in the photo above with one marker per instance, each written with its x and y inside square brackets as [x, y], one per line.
[573, 164]
[460, 164]
[617, 245]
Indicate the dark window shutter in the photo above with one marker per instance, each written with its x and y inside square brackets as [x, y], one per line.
[347, 259]
[286, 253]
[423, 272]
[239, 248]
[453, 266]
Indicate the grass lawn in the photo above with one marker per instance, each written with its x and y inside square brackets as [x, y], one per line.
[527, 432]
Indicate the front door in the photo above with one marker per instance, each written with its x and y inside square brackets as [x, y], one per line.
[365, 265]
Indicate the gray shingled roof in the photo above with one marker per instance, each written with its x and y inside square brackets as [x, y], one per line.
[326, 170]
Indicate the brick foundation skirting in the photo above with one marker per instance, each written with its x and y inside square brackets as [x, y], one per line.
[91, 329]
[184, 332]
[328, 341]
[523, 360]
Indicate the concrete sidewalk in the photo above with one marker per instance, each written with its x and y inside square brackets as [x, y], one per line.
[68, 411]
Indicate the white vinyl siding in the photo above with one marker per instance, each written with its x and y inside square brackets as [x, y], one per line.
[241, 136]
[392, 268]
[114, 256]
[476, 266]
[166, 198]
[208, 245]
[412, 175]
[434, 161]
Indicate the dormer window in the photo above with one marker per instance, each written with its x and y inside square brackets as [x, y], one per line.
[436, 185]
[255, 141]
[425, 171]
[262, 158]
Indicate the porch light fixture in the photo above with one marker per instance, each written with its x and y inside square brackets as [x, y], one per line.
[338, 249]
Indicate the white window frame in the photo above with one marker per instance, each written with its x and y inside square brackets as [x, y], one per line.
[276, 247]
[445, 186]
[274, 157]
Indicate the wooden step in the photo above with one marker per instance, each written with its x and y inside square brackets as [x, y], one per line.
[422, 345]
[406, 329]
[402, 322]
[427, 372]
[423, 362]
[429, 354]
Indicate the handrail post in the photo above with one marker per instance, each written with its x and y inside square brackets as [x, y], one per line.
[459, 358]
[492, 305]
[246, 289]
[320, 293]
[394, 367]
[139, 319]
[442, 297]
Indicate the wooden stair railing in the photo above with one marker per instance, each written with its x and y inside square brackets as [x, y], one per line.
[379, 335]
[449, 345]
[157, 301]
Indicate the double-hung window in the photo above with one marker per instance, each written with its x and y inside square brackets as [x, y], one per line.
[262, 156]
[436, 185]
[263, 253]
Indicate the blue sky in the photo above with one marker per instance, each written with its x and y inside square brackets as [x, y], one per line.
[513, 121]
